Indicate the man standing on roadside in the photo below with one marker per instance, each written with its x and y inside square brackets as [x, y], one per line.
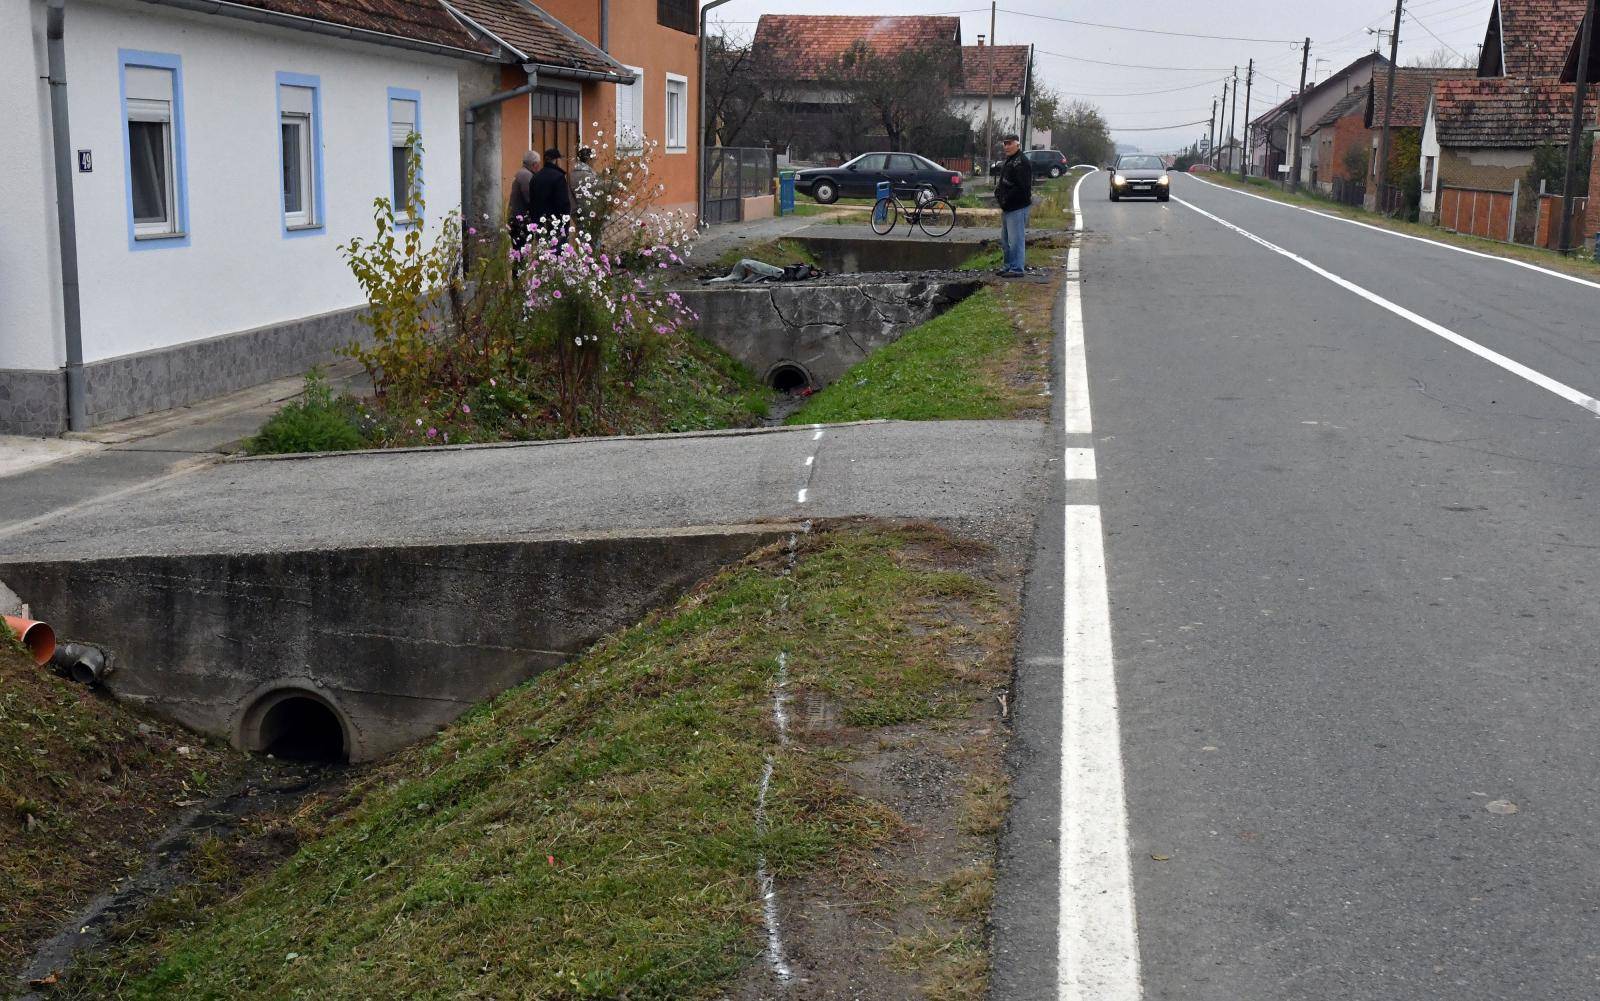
[1013, 189]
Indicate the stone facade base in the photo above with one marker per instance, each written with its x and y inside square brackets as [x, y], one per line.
[33, 402]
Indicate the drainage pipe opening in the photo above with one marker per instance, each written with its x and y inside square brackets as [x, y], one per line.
[302, 728]
[789, 379]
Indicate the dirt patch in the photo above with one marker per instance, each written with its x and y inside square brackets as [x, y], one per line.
[1024, 369]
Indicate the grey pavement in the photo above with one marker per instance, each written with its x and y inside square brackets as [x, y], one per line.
[978, 474]
[1349, 567]
[715, 241]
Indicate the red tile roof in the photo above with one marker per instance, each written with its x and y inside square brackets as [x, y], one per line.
[1004, 68]
[1350, 104]
[538, 37]
[418, 20]
[803, 46]
[1504, 113]
[1536, 35]
[1412, 88]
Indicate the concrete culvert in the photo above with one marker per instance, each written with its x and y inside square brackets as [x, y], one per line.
[788, 378]
[300, 727]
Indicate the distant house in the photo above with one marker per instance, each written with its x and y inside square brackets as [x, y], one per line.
[1342, 128]
[802, 51]
[217, 155]
[1480, 133]
[1319, 100]
[1269, 140]
[1005, 72]
[1413, 86]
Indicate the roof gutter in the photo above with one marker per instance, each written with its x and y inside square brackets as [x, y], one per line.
[225, 8]
[66, 213]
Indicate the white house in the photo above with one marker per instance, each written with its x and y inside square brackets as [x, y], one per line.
[216, 157]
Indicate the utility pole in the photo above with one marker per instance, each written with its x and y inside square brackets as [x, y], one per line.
[1211, 146]
[1579, 92]
[1388, 106]
[1222, 128]
[1299, 123]
[988, 128]
[1244, 159]
[1233, 118]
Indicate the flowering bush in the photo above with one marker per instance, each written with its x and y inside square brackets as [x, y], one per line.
[616, 209]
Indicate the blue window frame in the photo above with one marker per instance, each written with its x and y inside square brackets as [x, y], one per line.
[405, 117]
[154, 163]
[303, 206]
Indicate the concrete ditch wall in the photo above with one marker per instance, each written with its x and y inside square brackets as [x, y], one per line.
[396, 641]
[821, 328]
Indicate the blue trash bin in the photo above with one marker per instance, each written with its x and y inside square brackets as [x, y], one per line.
[880, 208]
[786, 192]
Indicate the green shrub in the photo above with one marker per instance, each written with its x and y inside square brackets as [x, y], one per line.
[317, 422]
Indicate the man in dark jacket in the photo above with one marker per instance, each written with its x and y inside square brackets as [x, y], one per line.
[552, 198]
[1013, 189]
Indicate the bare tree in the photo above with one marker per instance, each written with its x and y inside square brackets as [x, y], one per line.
[1082, 134]
[1443, 58]
[907, 93]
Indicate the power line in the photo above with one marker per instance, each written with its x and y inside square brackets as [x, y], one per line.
[1136, 66]
[1145, 93]
[1165, 128]
[1149, 31]
[1413, 19]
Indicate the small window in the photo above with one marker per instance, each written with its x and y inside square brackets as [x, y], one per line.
[873, 161]
[677, 113]
[153, 167]
[902, 162]
[630, 111]
[298, 145]
[403, 125]
[1427, 173]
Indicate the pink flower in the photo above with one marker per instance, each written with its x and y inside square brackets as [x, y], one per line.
[466, 409]
[556, 294]
[433, 432]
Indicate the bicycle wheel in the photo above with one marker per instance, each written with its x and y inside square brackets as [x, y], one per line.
[884, 215]
[937, 217]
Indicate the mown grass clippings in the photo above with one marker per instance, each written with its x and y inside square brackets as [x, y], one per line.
[987, 358]
[84, 786]
[592, 834]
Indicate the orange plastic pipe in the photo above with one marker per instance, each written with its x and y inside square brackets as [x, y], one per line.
[38, 637]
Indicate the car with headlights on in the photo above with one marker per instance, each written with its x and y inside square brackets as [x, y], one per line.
[1139, 175]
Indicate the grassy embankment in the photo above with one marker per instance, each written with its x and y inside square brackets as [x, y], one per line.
[593, 834]
[84, 785]
[986, 358]
[1582, 263]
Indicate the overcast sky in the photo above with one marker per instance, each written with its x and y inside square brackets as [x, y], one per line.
[1192, 68]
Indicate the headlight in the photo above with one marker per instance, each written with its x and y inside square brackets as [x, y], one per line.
[1118, 179]
[1164, 179]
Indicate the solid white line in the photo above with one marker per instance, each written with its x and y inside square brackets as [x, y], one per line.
[1516, 368]
[810, 459]
[1530, 266]
[1074, 362]
[1098, 957]
[802, 497]
[1080, 464]
[817, 436]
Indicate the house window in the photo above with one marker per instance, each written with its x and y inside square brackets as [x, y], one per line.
[405, 122]
[1427, 173]
[677, 113]
[678, 15]
[300, 152]
[152, 101]
[630, 111]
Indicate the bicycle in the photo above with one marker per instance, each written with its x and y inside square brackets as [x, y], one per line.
[935, 215]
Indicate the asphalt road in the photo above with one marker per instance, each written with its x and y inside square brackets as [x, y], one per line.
[1351, 571]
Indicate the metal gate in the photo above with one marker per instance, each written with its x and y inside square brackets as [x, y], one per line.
[732, 175]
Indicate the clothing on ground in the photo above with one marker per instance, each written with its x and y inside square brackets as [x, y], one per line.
[748, 270]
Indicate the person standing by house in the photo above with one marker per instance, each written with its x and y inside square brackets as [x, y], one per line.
[519, 212]
[1013, 189]
[585, 182]
[552, 198]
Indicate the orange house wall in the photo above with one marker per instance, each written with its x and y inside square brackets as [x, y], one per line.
[516, 127]
[637, 40]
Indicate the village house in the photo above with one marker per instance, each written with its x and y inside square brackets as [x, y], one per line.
[1341, 130]
[1413, 86]
[1480, 133]
[213, 158]
[1005, 71]
[1319, 100]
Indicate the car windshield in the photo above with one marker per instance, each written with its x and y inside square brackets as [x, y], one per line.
[1140, 163]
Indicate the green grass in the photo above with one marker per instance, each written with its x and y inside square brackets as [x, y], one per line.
[592, 834]
[941, 370]
[1581, 263]
[1038, 256]
[778, 252]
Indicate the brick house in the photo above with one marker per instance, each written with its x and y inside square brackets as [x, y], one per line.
[801, 49]
[1319, 100]
[1342, 128]
[1481, 132]
[1413, 87]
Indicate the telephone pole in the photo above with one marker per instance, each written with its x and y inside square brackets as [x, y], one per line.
[988, 128]
[1299, 125]
[1388, 106]
[1222, 128]
[1579, 92]
[1244, 159]
[1211, 147]
[1233, 118]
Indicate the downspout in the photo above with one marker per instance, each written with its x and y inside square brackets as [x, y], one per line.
[605, 26]
[700, 122]
[66, 214]
[469, 122]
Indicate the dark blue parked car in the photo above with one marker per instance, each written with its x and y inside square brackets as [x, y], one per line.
[859, 178]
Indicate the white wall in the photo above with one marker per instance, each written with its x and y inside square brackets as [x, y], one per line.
[30, 298]
[1430, 147]
[239, 270]
[1007, 110]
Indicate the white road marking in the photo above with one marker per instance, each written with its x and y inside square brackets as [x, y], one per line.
[1080, 464]
[1529, 265]
[810, 459]
[817, 436]
[802, 497]
[1098, 943]
[1516, 368]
